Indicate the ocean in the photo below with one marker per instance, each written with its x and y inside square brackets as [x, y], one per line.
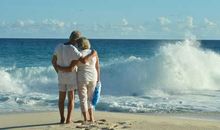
[138, 76]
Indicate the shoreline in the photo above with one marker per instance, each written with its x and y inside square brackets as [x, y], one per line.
[209, 116]
[109, 120]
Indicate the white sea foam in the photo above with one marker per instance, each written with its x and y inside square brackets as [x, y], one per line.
[9, 84]
[176, 68]
[28, 79]
[150, 104]
[27, 89]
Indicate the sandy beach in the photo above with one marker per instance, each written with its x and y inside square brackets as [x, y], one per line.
[105, 121]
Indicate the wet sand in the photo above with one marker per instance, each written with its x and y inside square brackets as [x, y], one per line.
[105, 121]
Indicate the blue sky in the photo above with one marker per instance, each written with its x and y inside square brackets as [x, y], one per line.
[148, 19]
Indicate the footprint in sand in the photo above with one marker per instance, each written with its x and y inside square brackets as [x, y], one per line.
[86, 126]
[124, 124]
[79, 121]
[103, 124]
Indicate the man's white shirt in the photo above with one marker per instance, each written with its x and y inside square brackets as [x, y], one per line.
[65, 55]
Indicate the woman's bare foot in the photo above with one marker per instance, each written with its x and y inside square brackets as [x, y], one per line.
[68, 121]
[92, 121]
[85, 123]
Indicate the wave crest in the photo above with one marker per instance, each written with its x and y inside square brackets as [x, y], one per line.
[176, 68]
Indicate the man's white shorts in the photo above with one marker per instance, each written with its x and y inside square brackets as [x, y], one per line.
[66, 87]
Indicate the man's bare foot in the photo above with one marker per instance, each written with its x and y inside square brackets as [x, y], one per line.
[62, 120]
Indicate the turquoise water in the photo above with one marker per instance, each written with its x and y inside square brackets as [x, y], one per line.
[149, 76]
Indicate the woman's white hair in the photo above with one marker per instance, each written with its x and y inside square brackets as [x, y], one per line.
[83, 43]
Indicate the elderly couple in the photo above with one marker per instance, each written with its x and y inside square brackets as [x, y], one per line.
[77, 67]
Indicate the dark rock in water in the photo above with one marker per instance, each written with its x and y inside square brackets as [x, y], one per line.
[134, 94]
[3, 99]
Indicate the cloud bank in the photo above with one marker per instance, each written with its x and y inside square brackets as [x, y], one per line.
[163, 27]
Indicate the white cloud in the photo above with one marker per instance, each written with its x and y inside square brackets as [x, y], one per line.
[61, 24]
[20, 23]
[166, 29]
[189, 22]
[124, 22]
[99, 27]
[2, 23]
[141, 28]
[33, 27]
[209, 23]
[29, 22]
[163, 27]
[127, 29]
[54, 23]
[164, 21]
[74, 23]
[47, 21]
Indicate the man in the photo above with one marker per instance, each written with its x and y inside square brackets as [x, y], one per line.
[65, 55]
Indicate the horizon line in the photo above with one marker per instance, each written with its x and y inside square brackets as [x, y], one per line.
[105, 38]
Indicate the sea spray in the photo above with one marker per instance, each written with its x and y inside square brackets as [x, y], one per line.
[184, 66]
[176, 68]
[10, 84]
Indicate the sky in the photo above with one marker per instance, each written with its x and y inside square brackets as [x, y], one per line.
[114, 19]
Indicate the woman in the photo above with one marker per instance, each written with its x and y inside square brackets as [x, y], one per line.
[88, 74]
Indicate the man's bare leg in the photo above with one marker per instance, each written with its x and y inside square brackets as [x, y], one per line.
[70, 106]
[62, 96]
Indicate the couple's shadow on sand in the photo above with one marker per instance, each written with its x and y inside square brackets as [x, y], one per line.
[45, 124]
[101, 124]
[29, 126]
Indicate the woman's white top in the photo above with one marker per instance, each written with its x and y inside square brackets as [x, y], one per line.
[87, 72]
